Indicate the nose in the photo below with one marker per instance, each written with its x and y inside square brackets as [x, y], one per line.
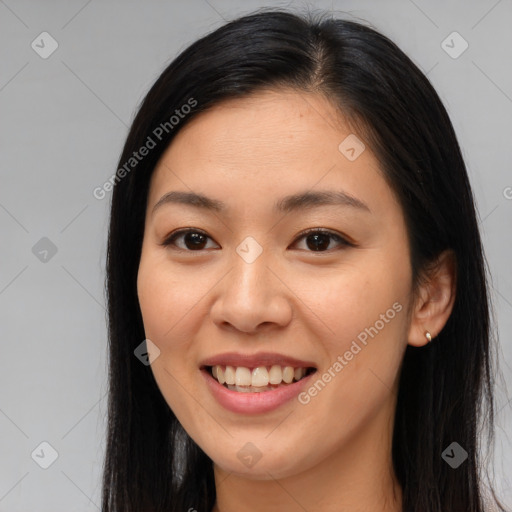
[252, 298]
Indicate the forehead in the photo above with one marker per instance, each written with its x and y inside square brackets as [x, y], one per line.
[282, 125]
[263, 145]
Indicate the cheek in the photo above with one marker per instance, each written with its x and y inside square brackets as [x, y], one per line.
[166, 298]
[351, 300]
[167, 303]
[362, 313]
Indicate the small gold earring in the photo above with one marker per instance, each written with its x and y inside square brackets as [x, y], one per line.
[428, 336]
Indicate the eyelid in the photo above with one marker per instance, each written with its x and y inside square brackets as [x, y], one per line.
[342, 239]
[168, 241]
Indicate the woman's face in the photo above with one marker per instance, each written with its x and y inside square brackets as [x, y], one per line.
[248, 293]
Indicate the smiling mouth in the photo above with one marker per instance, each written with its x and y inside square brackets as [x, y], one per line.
[259, 379]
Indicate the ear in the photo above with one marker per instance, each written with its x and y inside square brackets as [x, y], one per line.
[434, 300]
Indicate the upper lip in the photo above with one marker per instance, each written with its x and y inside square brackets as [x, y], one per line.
[255, 360]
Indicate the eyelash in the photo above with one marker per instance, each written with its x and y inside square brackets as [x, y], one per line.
[169, 241]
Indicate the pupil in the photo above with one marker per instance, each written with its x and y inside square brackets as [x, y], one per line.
[196, 240]
[321, 242]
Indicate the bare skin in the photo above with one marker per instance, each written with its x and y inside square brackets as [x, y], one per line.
[331, 452]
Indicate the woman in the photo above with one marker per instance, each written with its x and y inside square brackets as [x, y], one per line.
[298, 305]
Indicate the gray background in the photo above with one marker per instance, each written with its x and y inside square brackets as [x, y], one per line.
[63, 122]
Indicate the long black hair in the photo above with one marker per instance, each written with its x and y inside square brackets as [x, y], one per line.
[445, 392]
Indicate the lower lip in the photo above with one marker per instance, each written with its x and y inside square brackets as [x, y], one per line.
[253, 403]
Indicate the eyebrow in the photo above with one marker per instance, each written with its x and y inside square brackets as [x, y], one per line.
[287, 204]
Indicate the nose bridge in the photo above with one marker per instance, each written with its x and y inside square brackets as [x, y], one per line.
[250, 250]
[251, 294]
[250, 270]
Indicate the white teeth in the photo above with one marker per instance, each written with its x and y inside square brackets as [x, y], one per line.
[242, 389]
[243, 376]
[250, 389]
[288, 373]
[229, 375]
[275, 375]
[261, 378]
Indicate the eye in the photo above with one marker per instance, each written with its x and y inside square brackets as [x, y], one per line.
[318, 240]
[194, 239]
